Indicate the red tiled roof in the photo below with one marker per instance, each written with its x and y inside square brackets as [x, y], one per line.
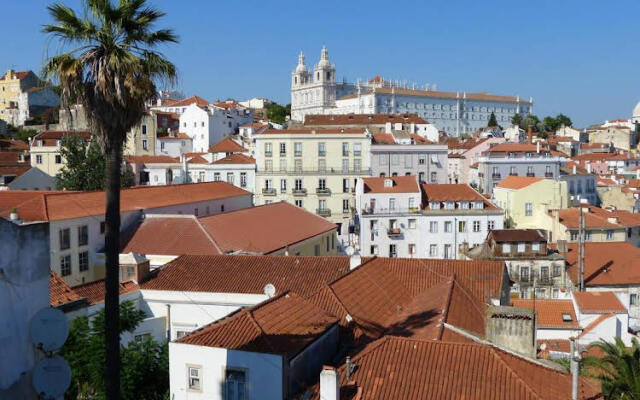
[19, 74]
[198, 160]
[518, 182]
[59, 292]
[401, 368]
[227, 104]
[174, 136]
[236, 158]
[383, 138]
[570, 217]
[247, 274]
[552, 345]
[227, 145]
[606, 263]
[50, 138]
[310, 131]
[94, 291]
[453, 192]
[197, 100]
[362, 119]
[550, 312]
[450, 95]
[516, 148]
[399, 184]
[518, 235]
[598, 302]
[13, 145]
[55, 206]
[285, 324]
[151, 159]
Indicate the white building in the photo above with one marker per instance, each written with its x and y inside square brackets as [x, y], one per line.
[317, 92]
[210, 124]
[399, 218]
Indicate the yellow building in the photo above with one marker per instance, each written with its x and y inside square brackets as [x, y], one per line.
[141, 139]
[526, 200]
[45, 150]
[12, 84]
[315, 169]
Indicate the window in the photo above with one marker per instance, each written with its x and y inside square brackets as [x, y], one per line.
[267, 149]
[194, 378]
[528, 209]
[421, 159]
[216, 176]
[65, 238]
[384, 159]
[448, 226]
[268, 165]
[447, 251]
[535, 246]
[297, 165]
[557, 270]
[345, 165]
[102, 227]
[412, 224]
[322, 183]
[243, 179]
[392, 204]
[412, 248]
[322, 149]
[521, 247]
[345, 206]
[433, 227]
[462, 226]
[298, 203]
[506, 248]
[322, 204]
[491, 225]
[345, 185]
[530, 170]
[357, 149]
[283, 185]
[512, 170]
[524, 274]
[449, 205]
[433, 250]
[374, 249]
[141, 337]
[83, 235]
[83, 261]
[58, 159]
[144, 144]
[297, 149]
[633, 299]
[392, 251]
[283, 149]
[144, 129]
[65, 265]
[297, 184]
[555, 293]
[476, 226]
[574, 235]
[609, 235]
[38, 159]
[408, 162]
[322, 164]
[394, 159]
[567, 317]
[587, 236]
[356, 165]
[434, 177]
[283, 164]
[345, 149]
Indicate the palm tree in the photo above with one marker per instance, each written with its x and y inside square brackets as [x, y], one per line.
[109, 64]
[619, 369]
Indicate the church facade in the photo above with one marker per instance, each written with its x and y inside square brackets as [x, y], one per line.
[316, 91]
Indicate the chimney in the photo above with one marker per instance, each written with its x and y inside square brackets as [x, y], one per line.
[14, 214]
[574, 172]
[530, 132]
[329, 384]
[538, 147]
[588, 168]
[355, 260]
[133, 266]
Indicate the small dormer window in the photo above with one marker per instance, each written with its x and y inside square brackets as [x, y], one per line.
[449, 205]
[39, 143]
[434, 205]
[478, 205]
[464, 205]
[58, 142]
[535, 246]
[388, 183]
[567, 317]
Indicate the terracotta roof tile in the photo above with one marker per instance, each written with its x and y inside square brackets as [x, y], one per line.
[383, 138]
[518, 182]
[50, 138]
[247, 274]
[570, 217]
[94, 291]
[518, 235]
[399, 184]
[19, 75]
[13, 145]
[59, 292]
[55, 206]
[453, 192]
[310, 131]
[236, 158]
[197, 100]
[400, 368]
[606, 263]
[598, 302]
[284, 325]
[515, 148]
[227, 145]
[174, 136]
[362, 119]
[550, 312]
[151, 159]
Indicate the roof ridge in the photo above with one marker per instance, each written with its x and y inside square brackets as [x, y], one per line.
[208, 235]
[263, 334]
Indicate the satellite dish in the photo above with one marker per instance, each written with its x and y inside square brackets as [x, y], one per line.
[49, 329]
[349, 250]
[269, 290]
[52, 377]
[543, 346]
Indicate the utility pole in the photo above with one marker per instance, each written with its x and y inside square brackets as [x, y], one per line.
[581, 233]
[575, 368]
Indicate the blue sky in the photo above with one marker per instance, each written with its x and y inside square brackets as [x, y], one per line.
[581, 58]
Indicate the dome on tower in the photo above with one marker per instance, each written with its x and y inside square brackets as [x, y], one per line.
[324, 58]
[636, 114]
[301, 67]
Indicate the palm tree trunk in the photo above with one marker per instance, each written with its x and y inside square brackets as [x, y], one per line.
[112, 251]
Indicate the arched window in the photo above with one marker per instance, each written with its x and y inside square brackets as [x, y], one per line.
[295, 80]
[328, 75]
[317, 76]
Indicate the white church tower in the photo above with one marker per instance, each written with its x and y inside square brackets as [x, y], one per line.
[313, 93]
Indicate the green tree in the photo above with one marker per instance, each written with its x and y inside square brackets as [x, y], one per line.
[108, 62]
[492, 120]
[516, 119]
[550, 124]
[562, 119]
[278, 113]
[144, 364]
[85, 165]
[619, 369]
[21, 133]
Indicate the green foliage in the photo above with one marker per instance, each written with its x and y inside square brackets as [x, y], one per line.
[492, 120]
[278, 113]
[144, 364]
[21, 133]
[619, 369]
[84, 166]
[516, 120]
[548, 123]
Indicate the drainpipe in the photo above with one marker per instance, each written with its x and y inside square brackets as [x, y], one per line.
[168, 322]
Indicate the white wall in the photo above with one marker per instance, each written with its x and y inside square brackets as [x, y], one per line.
[263, 372]
[547, 333]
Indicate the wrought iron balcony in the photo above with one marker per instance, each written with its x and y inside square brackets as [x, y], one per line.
[531, 174]
[548, 174]
[269, 191]
[323, 212]
[495, 176]
[323, 191]
[394, 232]
[299, 192]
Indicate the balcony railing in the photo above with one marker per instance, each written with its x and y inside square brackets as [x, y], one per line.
[394, 232]
[315, 171]
[268, 154]
[323, 191]
[495, 176]
[269, 191]
[323, 212]
[353, 189]
[548, 174]
[297, 154]
[530, 174]
[299, 192]
[395, 210]
[513, 174]
[322, 153]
